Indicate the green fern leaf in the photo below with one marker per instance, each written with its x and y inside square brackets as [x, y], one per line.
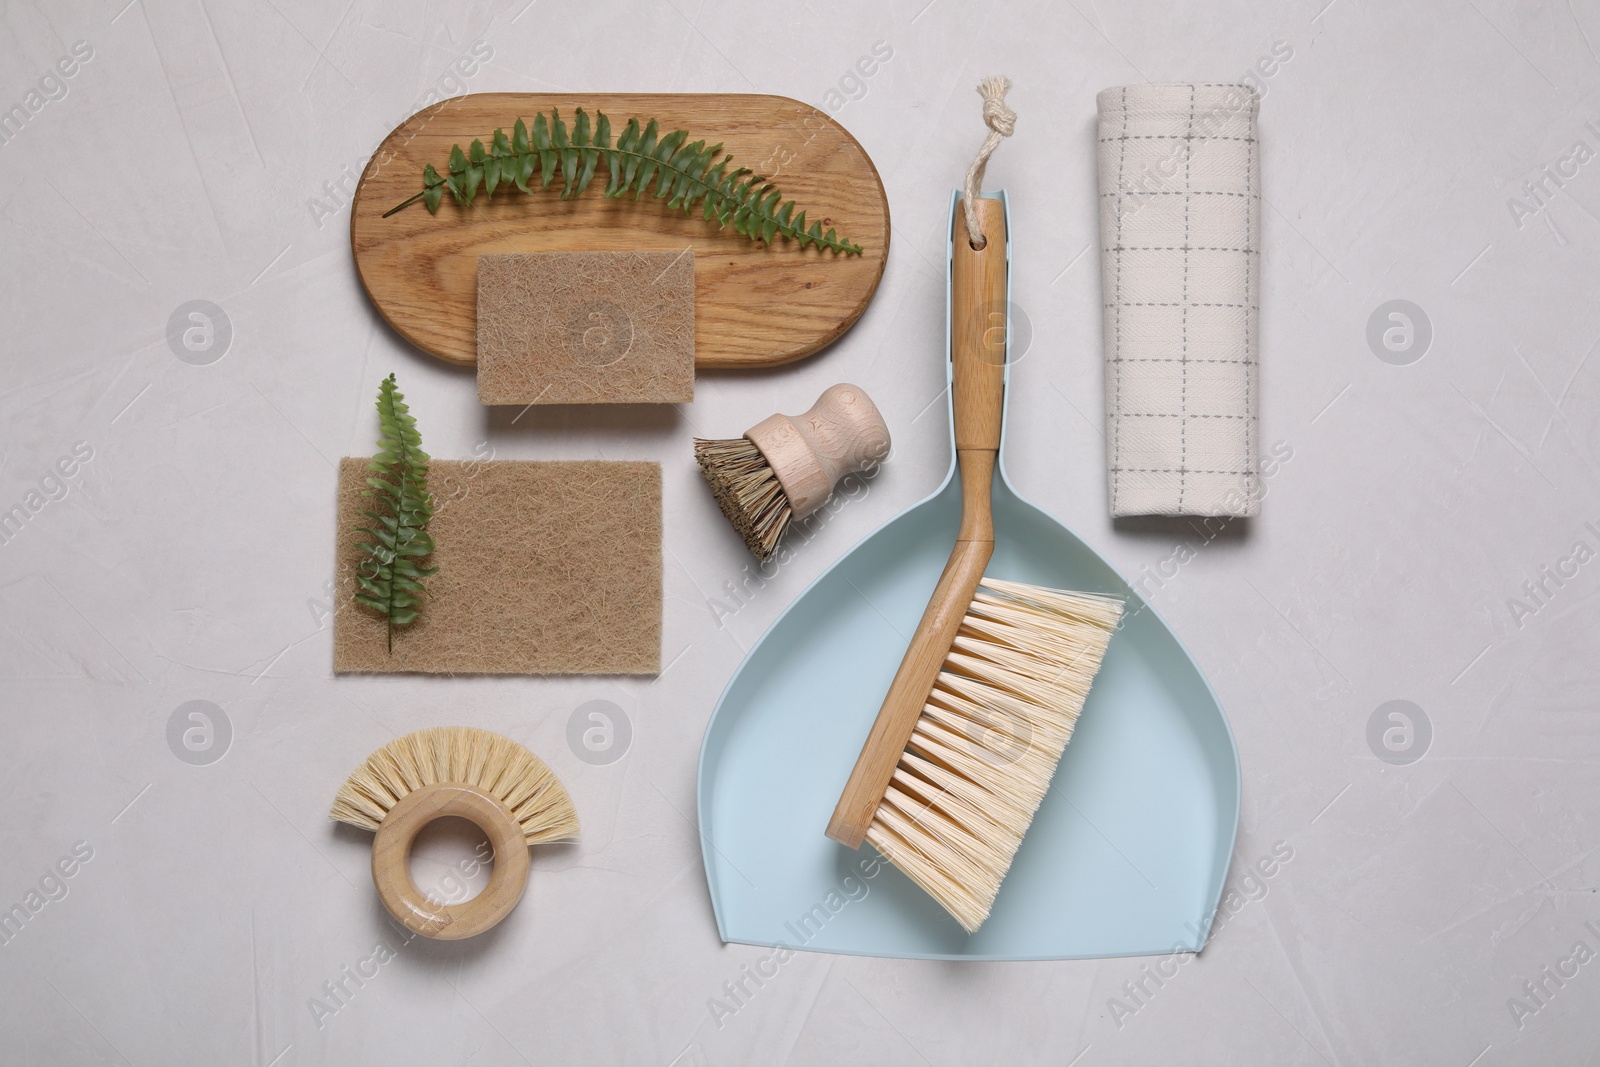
[389, 577]
[684, 174]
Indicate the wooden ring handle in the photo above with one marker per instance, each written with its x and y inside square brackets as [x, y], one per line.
[392, 849]
[843, 432]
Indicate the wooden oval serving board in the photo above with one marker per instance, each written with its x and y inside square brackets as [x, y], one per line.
[755, 306]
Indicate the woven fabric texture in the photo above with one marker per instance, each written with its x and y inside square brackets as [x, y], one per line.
[1180, 246]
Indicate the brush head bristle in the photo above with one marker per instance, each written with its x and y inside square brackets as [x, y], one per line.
[477, 758]
[989, 738]
[748, 492]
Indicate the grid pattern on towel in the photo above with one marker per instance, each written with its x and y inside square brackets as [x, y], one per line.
[1180, 236]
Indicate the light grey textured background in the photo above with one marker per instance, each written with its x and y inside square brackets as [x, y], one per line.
[204, 152]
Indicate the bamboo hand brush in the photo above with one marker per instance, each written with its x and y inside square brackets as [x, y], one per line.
[785, 466]
[985, 700]
[489, 780]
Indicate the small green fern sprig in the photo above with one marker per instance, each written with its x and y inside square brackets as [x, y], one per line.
[685, 175]
[391, 575]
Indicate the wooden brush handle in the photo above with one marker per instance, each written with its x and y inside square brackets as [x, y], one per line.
[392, 849]
[809, 453]
[977, 353]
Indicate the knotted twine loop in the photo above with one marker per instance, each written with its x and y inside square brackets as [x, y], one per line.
[1001, 120]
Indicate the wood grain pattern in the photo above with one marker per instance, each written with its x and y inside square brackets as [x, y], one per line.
[978, 331]
[755, 306]
[391, 852]
[842, 432]
[977, 350]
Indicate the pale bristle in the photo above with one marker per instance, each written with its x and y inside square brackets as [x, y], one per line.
[497, 765]
[747, 490]
[989, 738]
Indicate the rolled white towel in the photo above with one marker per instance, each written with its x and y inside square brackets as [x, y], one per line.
[1180, 243]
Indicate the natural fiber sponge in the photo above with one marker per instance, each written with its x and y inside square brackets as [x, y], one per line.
[586, 327]
[544, 568]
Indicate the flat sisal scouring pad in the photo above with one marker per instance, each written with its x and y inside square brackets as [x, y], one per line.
[586, 327]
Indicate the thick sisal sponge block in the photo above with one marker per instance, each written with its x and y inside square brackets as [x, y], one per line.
[544, 568]
[586, 327]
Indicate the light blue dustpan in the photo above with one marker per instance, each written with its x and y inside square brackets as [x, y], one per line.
[1128, 852]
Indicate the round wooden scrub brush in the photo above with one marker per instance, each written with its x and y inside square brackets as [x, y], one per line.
[489, 780]
[785, 467]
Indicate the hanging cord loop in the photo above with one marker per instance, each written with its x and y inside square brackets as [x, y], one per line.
[1001, 121]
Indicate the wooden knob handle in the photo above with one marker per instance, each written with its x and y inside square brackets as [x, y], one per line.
[809, 453]
[392, 850]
